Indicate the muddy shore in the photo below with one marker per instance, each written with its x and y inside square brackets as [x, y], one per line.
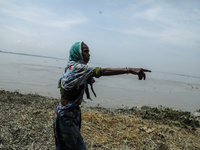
[26, 123]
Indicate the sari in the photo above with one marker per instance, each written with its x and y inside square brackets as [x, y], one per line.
[67, 119]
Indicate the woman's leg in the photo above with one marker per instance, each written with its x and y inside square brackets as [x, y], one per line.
[69, 132]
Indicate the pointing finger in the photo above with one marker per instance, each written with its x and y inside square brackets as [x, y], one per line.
[145, 70]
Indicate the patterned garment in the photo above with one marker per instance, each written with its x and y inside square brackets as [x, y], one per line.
[75, 75]
[67, 120]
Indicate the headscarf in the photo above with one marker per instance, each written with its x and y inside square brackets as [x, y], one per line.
[75, 52]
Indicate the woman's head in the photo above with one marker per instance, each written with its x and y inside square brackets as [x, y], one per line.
[79, 51]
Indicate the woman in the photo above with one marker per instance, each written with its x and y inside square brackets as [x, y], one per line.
[67, 120]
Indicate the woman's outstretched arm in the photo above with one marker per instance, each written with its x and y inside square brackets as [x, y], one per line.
[116, 71]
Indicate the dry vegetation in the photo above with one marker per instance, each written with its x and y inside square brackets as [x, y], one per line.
[26, 123]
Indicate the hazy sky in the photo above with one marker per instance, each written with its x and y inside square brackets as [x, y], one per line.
[161, 35]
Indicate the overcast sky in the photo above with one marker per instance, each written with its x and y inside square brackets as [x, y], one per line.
[161, 35]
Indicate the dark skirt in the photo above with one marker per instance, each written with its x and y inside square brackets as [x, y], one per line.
[67, 124]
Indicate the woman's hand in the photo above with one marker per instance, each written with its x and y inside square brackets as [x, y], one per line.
[140, 72]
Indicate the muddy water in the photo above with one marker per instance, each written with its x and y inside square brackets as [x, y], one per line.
[40, 75]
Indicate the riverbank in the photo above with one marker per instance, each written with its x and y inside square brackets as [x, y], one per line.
[26, 123]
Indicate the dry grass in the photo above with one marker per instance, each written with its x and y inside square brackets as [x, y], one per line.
[26, 123]
[108, 130]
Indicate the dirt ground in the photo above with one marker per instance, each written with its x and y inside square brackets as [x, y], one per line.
[26, 123]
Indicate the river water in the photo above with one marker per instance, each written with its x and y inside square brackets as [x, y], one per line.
[40, 75]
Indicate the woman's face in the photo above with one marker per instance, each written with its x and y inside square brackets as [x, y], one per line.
[85, 53]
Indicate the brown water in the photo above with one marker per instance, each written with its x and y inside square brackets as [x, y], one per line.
[40, 75]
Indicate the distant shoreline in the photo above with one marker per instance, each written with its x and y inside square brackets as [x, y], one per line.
[32, 55]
